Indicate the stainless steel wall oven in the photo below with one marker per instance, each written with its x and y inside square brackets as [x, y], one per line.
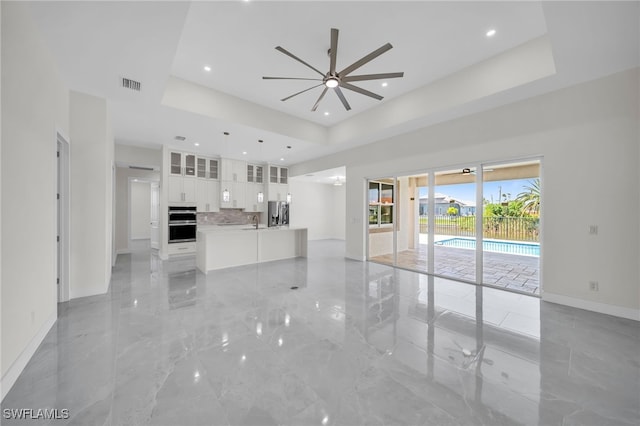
[182, 224]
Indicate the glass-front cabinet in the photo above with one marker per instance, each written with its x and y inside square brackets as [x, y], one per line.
[254, 173]
[182, 164]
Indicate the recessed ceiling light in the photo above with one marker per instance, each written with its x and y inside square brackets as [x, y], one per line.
[326, 113]
[385, 84]
[491, 32]
[207, 68]
[282, 159]
[196, 144]
[244, 152]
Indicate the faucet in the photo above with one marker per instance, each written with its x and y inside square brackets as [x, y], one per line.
[255, 219]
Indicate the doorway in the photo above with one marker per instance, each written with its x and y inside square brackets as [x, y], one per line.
[143, 214]
[62, 212]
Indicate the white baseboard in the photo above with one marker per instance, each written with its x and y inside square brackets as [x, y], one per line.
[603, 308]
[12, 374]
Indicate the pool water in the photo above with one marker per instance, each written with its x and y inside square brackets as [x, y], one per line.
[526, 249]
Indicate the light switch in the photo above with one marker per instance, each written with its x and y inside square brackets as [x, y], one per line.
[593, 229]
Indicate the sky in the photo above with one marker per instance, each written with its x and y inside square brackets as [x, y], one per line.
[467, 191]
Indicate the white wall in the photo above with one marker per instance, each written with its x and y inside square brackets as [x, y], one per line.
[140, 210]
[35, 104]
[137, 156]
[91, 195]
[319, 207]
[123, 174]
[588, 138]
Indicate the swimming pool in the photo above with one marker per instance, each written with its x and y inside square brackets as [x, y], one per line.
[526, 249]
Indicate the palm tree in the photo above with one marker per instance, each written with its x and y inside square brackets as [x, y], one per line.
[531, 197]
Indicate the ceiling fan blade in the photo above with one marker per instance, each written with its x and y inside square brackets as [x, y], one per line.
[291, 78]
[302, 91]
[373, 76]
[360, 90]
[333, 53]
[342, 98]
[364, 60]
[315, 106]
[286, 52]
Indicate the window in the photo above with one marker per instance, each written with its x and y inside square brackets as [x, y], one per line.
[381, 203]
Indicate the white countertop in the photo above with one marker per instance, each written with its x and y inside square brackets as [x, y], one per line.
[243, 228]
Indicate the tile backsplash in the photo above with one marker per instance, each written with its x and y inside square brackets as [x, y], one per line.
[236, 216]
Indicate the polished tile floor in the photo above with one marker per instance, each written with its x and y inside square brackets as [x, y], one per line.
[356, 343]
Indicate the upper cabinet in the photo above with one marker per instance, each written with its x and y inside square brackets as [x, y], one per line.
[182, 173]
[255, 173]
[207, 168]
[233, 170]
[278, 187]
[182, 164]
[278, 175]
[208, 187]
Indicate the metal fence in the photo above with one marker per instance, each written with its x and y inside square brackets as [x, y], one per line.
[499, 227]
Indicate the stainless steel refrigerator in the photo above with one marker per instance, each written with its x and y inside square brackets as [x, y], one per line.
[278, 213]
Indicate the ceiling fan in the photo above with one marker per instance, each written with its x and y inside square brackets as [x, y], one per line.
[337, 80]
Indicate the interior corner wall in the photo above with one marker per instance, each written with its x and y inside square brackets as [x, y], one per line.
[35, 105]
[91, 160]
[339, 200]
[588, 138]
[138, 156]
[122, 203]
[316, 206]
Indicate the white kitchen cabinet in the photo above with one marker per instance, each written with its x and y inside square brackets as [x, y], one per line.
[278, 186]
[254, 202]
[255, 173]
[236, 195]
[279, 175]
[182, 189]
[182, 164]
[208, 195]
[207, 185]
[278, 192]
[181, 177]
[207, 168]
[233, 170]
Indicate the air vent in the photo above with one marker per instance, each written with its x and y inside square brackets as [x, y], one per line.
[141, 168]
[131, 84]
[180, 138]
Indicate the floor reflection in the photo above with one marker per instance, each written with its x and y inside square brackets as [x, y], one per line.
[182, 290]
[355, 343]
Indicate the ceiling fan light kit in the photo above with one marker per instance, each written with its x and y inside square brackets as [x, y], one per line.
[337, 80]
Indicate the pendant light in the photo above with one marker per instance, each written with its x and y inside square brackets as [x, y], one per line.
[260, 193]
[226, 195]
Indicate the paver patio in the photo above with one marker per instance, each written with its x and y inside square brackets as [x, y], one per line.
[510, 271]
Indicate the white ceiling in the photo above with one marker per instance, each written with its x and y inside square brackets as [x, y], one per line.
[97, 43]
[329, 176]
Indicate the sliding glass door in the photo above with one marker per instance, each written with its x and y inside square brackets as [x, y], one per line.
[511, 226]
[477, 223]
[454, 224]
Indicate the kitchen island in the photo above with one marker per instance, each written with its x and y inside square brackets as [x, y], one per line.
[220, 247]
